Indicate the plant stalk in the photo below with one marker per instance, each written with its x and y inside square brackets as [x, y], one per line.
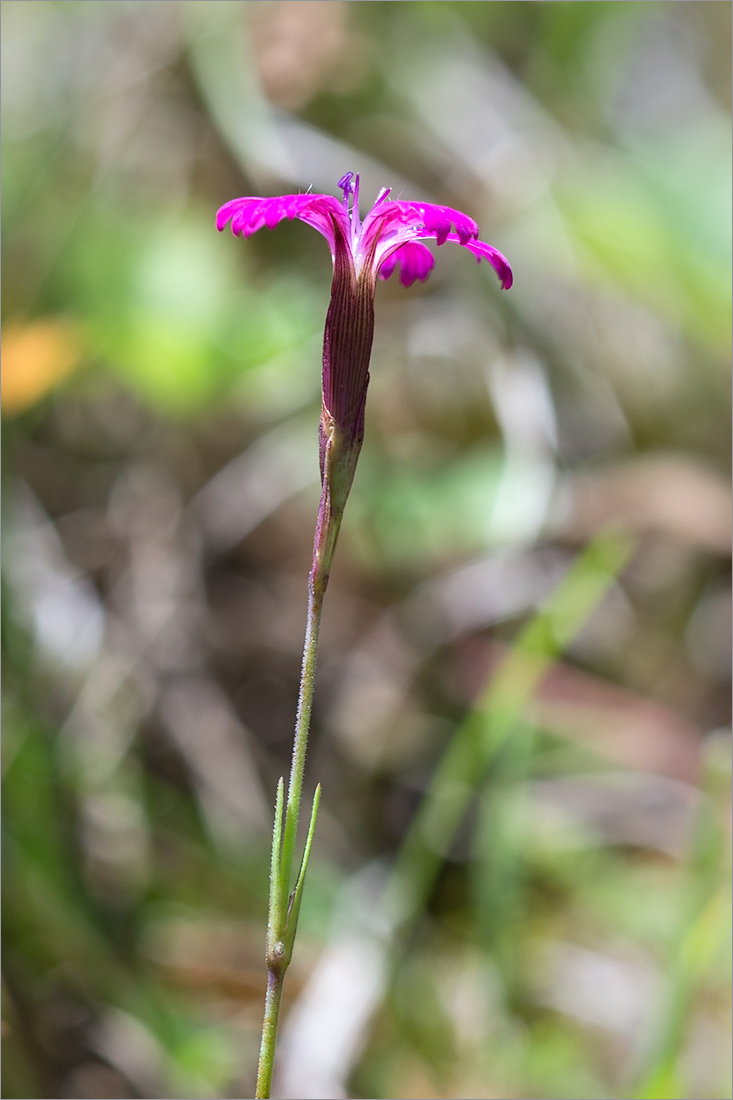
[269, 1034]
[284, 906]
[300, 739]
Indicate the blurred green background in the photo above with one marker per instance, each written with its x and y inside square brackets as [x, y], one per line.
[519, 885]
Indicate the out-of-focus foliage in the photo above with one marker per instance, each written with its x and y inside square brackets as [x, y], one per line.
[519, 882]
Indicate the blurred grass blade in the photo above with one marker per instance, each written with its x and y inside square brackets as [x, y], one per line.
[702, 943]
[495, 716]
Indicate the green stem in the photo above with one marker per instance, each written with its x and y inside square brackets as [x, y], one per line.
[284, 906]
[269, 1033]
[300, 740]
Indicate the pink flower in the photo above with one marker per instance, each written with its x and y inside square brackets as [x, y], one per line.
[389, 235]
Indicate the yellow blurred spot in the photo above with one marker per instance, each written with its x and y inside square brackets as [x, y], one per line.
[35, 358]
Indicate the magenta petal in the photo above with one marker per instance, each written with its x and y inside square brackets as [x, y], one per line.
[227, 211]
[273, 212]
[389, 265]
[416, 262]
[387, 237]
[247, 219]
[436, 221]
[483, 251]
[466, 227]
[248, 215]
[500, 264]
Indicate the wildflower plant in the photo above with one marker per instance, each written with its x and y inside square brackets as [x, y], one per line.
[389, 237]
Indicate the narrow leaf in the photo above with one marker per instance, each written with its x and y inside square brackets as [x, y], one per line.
[274, 908]
[295, 900]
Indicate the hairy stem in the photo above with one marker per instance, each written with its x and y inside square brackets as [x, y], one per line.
[284, 906]
[269, 1033]
[300, 740]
